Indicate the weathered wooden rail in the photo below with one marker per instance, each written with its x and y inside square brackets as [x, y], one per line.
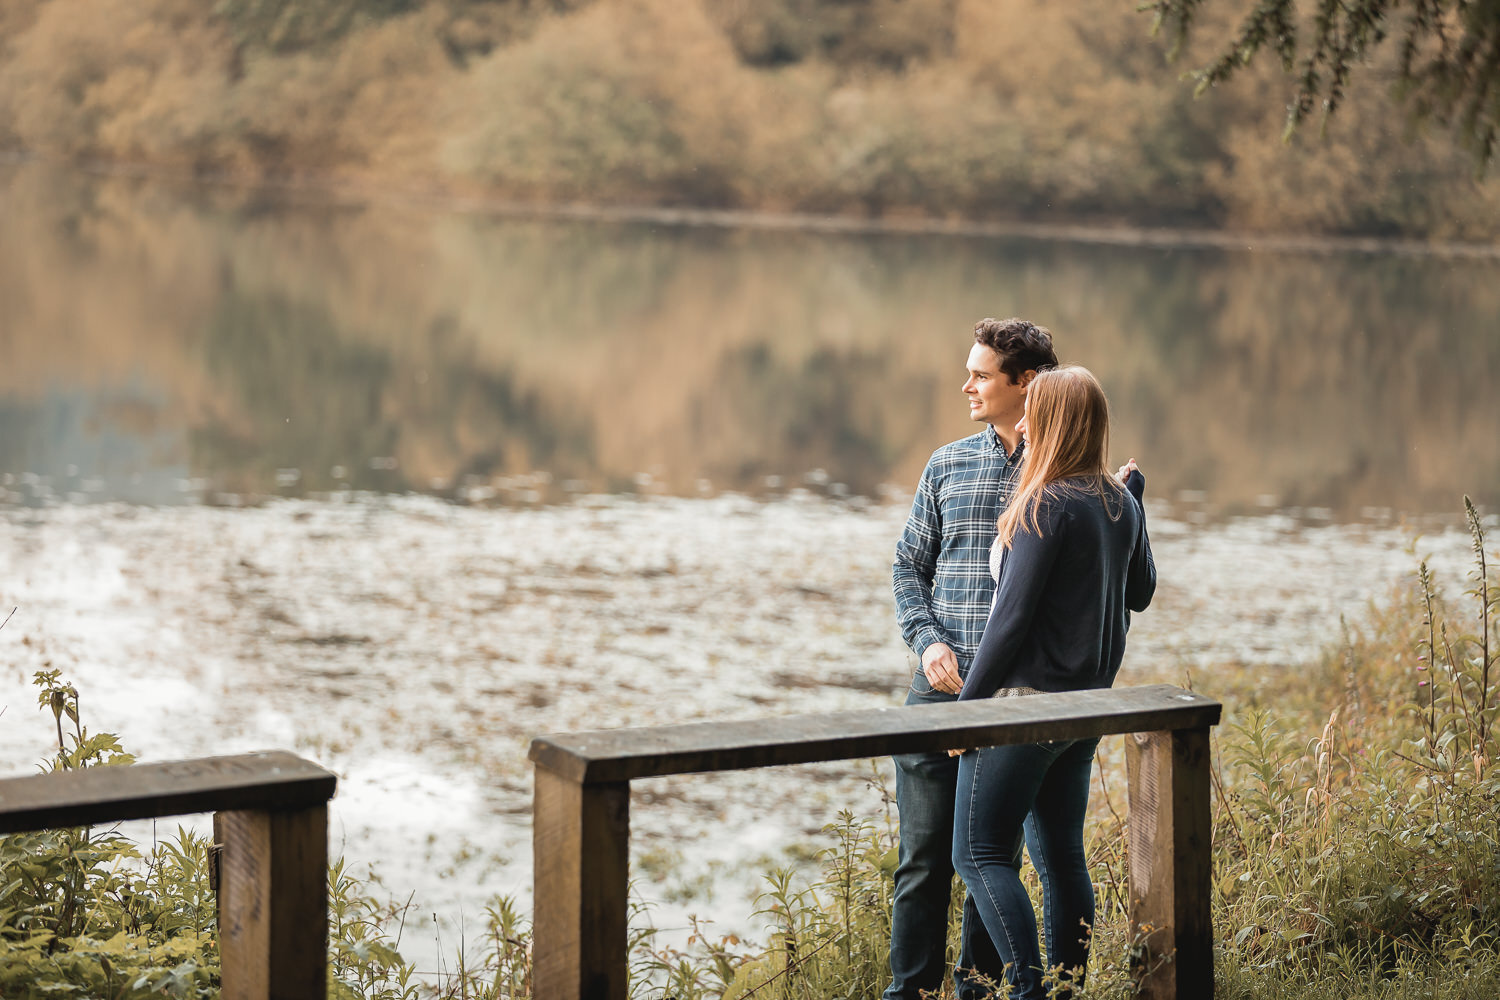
[271, 824]
[582, 814]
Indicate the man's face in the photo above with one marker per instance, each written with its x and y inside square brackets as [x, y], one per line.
[993, 397]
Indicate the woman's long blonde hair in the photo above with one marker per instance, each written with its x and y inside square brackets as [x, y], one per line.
[1067, 437]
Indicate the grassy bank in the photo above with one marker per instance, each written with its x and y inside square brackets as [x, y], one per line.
[976, 109]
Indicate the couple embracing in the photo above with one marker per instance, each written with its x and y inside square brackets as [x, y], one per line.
[1011, 577]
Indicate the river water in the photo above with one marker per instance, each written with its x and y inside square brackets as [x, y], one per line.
[165, 344]
[400, 486]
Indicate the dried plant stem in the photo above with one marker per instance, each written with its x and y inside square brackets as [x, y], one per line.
[1429, 620]
[1476, 531]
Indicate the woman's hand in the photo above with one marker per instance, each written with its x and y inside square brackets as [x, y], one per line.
[956, 753]
[1125, 471]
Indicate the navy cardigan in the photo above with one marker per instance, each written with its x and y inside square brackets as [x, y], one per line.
[1065, 593]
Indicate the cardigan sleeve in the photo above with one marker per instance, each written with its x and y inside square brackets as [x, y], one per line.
[1023, 577]
[1140, 576]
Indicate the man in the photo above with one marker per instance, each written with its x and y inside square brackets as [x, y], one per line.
[943, 591]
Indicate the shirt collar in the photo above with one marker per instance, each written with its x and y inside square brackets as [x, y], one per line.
[999, 446]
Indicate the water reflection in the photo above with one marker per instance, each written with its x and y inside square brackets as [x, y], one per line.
[164, 343]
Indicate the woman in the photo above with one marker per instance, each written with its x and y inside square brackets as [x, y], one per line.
[1074, 561]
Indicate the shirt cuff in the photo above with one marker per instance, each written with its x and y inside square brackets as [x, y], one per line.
[926, 637]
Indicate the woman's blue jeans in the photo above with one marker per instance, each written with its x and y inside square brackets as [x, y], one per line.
[1037, 793]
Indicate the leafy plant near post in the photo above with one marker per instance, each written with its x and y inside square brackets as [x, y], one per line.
[83, 913]
[830, 939]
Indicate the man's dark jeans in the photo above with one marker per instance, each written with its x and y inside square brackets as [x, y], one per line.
[925, 786]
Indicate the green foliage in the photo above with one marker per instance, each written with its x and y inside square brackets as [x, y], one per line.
[363, 963]
[1446, 70]
[83, 913]
[831, 938]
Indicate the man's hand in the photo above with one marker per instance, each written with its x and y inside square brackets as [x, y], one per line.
[940, 664]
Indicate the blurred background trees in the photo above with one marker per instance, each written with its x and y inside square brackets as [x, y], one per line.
[973, 109]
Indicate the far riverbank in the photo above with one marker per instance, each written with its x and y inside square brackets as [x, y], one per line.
[330, 189]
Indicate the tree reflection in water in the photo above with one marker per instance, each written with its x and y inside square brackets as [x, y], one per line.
[254, 343]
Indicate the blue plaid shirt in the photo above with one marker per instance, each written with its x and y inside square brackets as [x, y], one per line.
[942, 571]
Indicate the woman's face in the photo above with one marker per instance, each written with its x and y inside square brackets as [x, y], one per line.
[1021, 424]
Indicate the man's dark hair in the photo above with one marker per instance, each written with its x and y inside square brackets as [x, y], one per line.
[1022, 346]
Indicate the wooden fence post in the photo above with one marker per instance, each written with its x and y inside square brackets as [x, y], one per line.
[273, 903]
[269, 865]
[581, 854]
[1171, 862]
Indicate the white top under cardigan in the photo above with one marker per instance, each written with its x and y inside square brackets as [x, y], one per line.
[997, 558]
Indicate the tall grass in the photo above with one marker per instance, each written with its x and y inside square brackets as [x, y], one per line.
[1361, 857]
